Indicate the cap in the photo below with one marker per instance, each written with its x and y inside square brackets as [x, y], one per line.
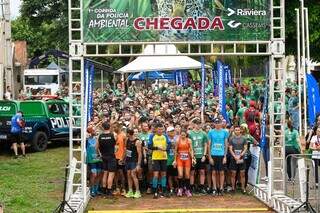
[217, 120]
[170, 128]
[252, 103]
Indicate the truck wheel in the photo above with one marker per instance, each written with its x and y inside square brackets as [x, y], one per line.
[40, 142]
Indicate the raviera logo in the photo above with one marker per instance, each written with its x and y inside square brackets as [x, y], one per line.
[251, 12]
[246, 12]
[5, 108]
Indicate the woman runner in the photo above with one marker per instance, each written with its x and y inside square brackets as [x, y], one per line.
[183, 160]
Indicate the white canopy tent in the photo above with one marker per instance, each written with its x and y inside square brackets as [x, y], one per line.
[160, 62]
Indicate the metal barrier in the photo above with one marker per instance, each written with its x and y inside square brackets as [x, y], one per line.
[296, 187]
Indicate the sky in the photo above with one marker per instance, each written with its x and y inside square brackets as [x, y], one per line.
[14, 7]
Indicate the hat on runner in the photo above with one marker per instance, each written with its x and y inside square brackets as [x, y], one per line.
[252, 103]
[217, 120]
[170, 128]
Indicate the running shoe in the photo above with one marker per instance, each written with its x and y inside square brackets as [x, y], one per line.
[214, 192]
[116, 192]
[179, 194]
[155, 196]
[123, 192]
[137, 195]
[244, 191]
[229, 188]
[130, 194]
[188, 193]
[221, 192]
[203, 191]
[149, 191]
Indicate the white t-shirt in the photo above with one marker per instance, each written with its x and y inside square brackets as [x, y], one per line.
[315, 140]
[7, 95]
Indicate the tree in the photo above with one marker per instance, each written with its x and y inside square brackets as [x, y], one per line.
[291, 31]
[43, 24]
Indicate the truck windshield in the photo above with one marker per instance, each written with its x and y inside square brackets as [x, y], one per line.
[41, 79]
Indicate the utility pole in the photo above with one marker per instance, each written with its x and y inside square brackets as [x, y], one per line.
[6, 68]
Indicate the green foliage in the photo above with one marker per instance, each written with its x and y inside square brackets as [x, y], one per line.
[32, 184]
[43, 24]
[291, 32]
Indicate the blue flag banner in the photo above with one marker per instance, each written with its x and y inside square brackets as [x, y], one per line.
[90, 92]
[203, 83]
[225, 68]
[263, 140]
[222, 94]
[313, 99]
[176, 77]
[180, 77]
[213, 81]
[88, 85]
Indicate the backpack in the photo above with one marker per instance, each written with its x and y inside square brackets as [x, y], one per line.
[251, 115]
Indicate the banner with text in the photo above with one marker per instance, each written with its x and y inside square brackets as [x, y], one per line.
[192, 20]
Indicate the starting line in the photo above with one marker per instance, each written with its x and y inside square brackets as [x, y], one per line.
[186, 210]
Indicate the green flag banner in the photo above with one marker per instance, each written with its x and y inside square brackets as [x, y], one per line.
[176, 20]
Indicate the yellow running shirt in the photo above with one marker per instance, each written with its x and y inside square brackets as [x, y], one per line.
[160, 141]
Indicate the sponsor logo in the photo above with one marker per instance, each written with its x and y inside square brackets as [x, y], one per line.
[62, 122]
[246, 12]
[178, 23]
[5, 108]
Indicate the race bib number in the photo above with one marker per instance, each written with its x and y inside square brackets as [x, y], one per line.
[184, 156]
[217, 146]
[129, 153]
[316, 155]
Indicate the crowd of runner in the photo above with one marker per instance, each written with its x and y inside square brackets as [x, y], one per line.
[154, 140]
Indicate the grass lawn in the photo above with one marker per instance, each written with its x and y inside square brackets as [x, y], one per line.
[32, 184]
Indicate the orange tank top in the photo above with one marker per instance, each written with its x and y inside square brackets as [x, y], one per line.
[183, 149]
[120, 146]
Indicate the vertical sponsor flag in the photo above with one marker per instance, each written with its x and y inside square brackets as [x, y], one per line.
[203, 82]
[313, 98]
[263, 139]
[176, 77]
[90, 92]
[222, 94]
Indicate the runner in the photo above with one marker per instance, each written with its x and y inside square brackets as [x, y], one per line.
[172, 172]
[159, 144]
[237, 148]
[217, 147]
[199, 144]
[94, 162]
[147, 165]
[106, 147]
[120, 156]
[133, 163]
[184, 158]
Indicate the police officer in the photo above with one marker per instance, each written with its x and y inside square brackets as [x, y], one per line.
[17, 124]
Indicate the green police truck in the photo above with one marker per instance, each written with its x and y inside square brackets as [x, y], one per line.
[46, 120]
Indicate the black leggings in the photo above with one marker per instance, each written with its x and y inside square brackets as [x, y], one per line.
[316, 172]
[247, 163]
[291, 162]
